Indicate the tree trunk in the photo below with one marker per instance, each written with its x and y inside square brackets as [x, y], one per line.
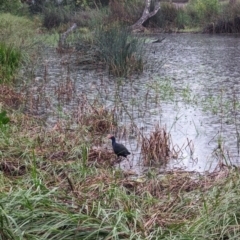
[145, 15]
[63, 37]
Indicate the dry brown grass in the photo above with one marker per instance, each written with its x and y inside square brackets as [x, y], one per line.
[9, 97]
[156, 148]
[95, 117]
[101, 157]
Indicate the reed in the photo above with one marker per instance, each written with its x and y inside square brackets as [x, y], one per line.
[119, 50]
[156, 148]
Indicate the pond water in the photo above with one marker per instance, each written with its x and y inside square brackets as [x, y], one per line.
[190, 86]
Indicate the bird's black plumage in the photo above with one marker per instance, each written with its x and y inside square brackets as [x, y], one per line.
[119, 149]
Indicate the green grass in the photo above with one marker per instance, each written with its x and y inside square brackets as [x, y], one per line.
[19, 32]
[18, 44]
[10, 60]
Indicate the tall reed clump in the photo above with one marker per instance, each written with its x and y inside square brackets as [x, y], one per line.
[156, 148]
[10, 59]
[121, 52]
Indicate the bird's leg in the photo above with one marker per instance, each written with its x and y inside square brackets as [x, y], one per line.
[130, 164]
[118, 161]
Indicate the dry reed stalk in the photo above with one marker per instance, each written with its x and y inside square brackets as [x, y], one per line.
[66, 90]
[156, 148]
[96, 117]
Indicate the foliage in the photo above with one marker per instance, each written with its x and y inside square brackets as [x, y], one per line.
[165, 17]
[53, 16]
[3, 118]
[11, 6]
[91, 18]
[127, 12]
[19, 32]
[10, 59]
[202, 11]
[228, 20]
[84, 4]
[120, 51]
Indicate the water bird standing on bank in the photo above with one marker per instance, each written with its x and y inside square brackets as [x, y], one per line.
[119, 149]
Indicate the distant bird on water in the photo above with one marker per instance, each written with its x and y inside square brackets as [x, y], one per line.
[119, 149]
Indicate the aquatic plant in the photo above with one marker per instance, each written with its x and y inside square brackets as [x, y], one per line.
[156, 148]
[119, 50]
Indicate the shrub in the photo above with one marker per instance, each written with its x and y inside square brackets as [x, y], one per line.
[119, 50]
[53, 16]
[125, 11]
[91, 3]
[11, 6]
[228, 20]
[203, 11]
[166, 16]
[17, 31]
[91, 18]
[10, 59]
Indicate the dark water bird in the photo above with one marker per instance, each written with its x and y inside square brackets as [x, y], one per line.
[119, 149]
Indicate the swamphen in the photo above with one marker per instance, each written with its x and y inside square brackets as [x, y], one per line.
[118, 148]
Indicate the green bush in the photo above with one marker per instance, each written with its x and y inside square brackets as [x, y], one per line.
[18, 32]
[228, 21]
[203, 11]
[166, 16]
[84, 4]
[11, 6]
[10, 59]
[53, 16]
[119, 50]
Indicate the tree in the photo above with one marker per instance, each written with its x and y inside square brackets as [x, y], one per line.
[146, 14]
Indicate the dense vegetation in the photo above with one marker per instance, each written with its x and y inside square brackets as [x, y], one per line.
[53, 183]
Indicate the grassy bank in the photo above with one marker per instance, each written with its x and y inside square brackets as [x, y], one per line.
[55, 185]
[18, 44]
